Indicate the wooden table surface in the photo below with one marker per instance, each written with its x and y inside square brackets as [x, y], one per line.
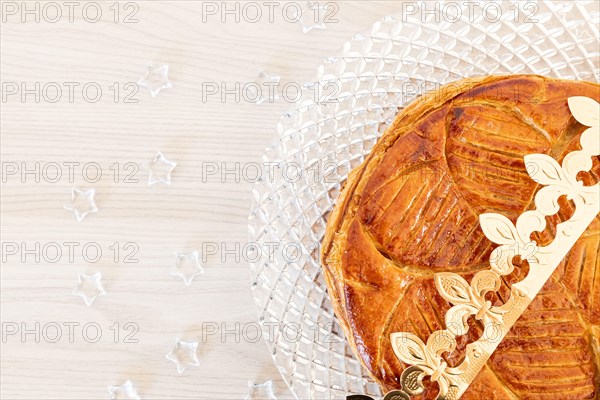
[102, 133]
[149, 223]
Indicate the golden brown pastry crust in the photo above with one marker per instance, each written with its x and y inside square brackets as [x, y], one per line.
[410, 210]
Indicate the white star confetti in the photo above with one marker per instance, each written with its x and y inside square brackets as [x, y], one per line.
[89, 287]
[187, 266]
[266, 88]
[261, 391]
[82, 203]
[125, 391]
[160, 170]
[156, 79]
[312, 16]
[184, 355]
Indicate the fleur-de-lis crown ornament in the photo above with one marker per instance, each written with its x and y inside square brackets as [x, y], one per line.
[468, 299]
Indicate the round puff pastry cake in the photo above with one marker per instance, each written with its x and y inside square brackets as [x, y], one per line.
[411, 210]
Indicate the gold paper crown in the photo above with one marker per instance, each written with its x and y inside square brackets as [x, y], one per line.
[514, 240]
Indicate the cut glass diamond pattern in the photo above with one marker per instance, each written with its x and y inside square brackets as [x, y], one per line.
[377, 73]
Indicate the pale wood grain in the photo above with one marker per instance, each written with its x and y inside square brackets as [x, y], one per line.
[160, 219]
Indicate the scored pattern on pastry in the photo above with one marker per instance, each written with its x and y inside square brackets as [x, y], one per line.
[405, 214]
[379, 72]
[469, 299]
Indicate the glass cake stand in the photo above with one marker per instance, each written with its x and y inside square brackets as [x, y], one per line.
[329, 131]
